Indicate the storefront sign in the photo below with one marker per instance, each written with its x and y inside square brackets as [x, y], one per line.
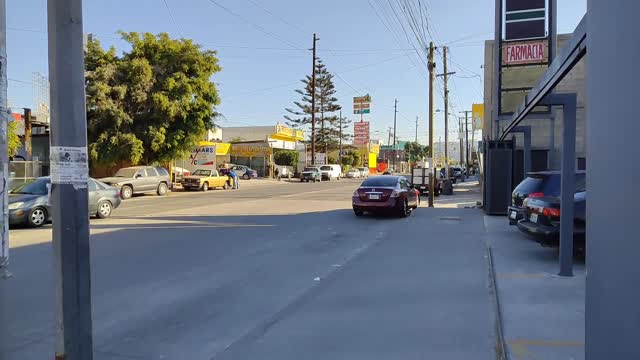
[361, 133]
[477, 111]
[289, 132]
[321, 159]
[249, 150]
[531, 52]
[203, 155]
[525, 19]
[374, 149]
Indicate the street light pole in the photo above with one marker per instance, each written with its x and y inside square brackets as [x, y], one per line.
[431, 65]
[395, 147]
[69, 180]
[313, 103]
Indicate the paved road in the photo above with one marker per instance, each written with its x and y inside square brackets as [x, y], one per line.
[275, 270]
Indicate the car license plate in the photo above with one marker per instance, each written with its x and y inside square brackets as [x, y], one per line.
[534, 218]
[513, 215]
[423, 187]
[374, 196]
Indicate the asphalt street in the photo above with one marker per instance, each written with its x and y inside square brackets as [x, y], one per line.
[275, 270]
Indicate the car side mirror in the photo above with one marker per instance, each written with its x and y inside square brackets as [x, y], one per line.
[138, 176]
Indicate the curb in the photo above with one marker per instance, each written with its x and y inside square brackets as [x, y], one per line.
[501, 346]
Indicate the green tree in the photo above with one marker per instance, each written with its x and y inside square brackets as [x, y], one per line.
[416, 151]
[357, 158]
[347, 159]
[286, 157]
[327, 123]
[152, 104]
[13, 139]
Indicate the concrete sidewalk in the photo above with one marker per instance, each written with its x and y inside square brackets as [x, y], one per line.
[542, 313]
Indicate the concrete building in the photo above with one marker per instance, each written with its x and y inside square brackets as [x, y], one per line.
[546, 130]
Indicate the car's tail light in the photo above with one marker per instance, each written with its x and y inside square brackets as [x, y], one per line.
[551, 212]
[355, 193]
[536, 195]
[395, 193]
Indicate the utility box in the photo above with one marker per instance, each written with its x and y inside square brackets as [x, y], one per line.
[498, 183]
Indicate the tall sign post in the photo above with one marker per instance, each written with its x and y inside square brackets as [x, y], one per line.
[69, 178]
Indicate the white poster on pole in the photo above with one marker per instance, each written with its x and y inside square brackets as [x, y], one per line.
[69, 165]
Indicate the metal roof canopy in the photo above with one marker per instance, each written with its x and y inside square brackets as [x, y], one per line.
[571, 53]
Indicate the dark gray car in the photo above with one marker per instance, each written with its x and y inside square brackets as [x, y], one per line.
[28, 202]
[139, 180]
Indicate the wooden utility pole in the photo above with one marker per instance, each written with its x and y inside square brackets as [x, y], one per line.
[313, 103]
[395, 141]
[461, 140]
[431, 64]
[416, 129]
[445, 75]
[466, 131]
[340, 139]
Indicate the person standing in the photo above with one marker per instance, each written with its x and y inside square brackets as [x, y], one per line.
[234, 178]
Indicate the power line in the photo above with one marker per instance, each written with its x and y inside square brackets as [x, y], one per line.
[173, 20]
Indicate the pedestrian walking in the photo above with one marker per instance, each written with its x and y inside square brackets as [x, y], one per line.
[234, 177]
[278, 174]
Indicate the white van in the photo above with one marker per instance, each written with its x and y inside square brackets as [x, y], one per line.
[330, 172]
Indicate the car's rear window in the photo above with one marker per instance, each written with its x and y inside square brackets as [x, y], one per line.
[380, 181]
[549, 184]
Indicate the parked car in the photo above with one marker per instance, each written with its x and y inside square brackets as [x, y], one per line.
[311, 174]
[139, 180]
[364, 172]
[542, 219]
[331, 172]
[205, 179]
[179, 174]
[244, 172]
[537, 184]
[385, 194]
[353, 174]
[28, 202]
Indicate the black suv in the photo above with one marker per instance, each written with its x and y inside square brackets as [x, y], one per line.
[536, 184]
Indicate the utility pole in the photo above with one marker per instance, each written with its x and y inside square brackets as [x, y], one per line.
[461, 141]
[431, 64]
[395, 147]
[69, 177]
[340, 139]
[416, 129]
[389, 142]
[313, 103]
[445, 75]
[4, 197]
[27, 132]
[466, 131]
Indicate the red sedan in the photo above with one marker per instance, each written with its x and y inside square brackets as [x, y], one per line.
[385, 194]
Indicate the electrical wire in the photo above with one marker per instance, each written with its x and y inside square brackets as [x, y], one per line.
[173, 20]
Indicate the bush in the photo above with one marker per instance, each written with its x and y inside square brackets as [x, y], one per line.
[347, 160]
[286, 157]
[332, 160]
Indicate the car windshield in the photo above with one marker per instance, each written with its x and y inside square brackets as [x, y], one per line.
[380, 181]
[202, 172]
[126, 172]
[326, 168]
[33, 187]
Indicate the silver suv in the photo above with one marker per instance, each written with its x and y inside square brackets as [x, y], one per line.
[140, 179]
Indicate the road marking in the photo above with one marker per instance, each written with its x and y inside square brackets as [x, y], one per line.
[314, 191]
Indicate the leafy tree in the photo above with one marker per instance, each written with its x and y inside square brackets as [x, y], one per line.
[327, 123]
[357, 158]
[347, 159]
[286, 157]
[153, 103]
[13, 139]
[416, 151]
[331, 160]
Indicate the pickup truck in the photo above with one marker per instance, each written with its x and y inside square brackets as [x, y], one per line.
[420, 180]
[205, 179]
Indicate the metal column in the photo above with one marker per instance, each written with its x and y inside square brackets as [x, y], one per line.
[612, 320]
[526, 131]
[567, 177]
[69, 195]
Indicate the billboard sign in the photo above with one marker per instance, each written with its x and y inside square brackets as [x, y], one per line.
[321, 159]
[477, 113]
[362, 104]
[527, 52]
[203, 155]
[361, 133]
[525, 19]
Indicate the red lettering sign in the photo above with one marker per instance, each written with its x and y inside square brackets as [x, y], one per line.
[524, 53]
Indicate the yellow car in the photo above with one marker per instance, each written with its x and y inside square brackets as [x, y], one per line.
[205, 179]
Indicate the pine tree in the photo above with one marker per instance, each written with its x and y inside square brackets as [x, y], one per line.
[327, 123]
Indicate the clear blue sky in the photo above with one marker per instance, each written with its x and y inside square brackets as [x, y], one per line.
[260, 67]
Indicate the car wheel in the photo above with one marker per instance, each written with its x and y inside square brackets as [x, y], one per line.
[37, 217]
[246, 176]
[162, 189]
[358, 212]
[405, 210]
[205, 186]
[126, 192]
[104, 209]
